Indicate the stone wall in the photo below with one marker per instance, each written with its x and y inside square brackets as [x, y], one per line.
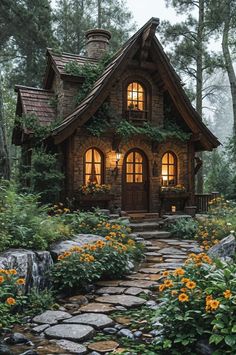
[82, 143]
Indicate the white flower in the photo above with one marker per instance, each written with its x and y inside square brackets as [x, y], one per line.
[229, 224]
[231, 231]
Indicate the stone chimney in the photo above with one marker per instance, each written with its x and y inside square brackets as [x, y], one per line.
[97, 43]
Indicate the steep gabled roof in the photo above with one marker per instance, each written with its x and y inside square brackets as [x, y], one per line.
[98, 94]
[33, 101]
[56, 63]
[172, 81]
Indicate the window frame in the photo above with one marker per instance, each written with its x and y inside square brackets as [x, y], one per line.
[102, 164]
[144, 101]
[168, 165]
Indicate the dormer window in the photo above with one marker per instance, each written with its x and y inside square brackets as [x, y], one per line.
[135, 97]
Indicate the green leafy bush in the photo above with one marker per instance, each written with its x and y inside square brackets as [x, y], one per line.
[25, 223]
[185, 228]
[81, 266]
[200, 297]
[220, 222]
[39, 301]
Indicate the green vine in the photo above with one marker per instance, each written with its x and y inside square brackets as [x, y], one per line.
[89, 71]
[99, 123]
[126, 130]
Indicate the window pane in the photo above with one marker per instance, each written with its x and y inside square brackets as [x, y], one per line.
[164, 170]
[171, 159]
[130, 157]
[135, 87]
[97, 169]
[88, 156]
[171, 170]
[129, 168]
[165, 159]
[88, 168]
[129, 178]
[135, 96]
[138, 168]
[97, 156]
[138, 178]
[138, 158]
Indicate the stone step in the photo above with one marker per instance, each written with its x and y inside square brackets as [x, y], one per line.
[154, 234]
[144, 226]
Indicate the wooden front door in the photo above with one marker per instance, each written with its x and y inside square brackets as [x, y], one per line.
[135, 181]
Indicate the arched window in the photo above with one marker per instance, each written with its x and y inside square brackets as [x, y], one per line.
[136, 97]
[169, 169]
[93, 167]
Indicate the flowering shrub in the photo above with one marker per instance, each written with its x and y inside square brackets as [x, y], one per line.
[92, 188]
[199, 298]
[176, 188]
[11, 297]
[81, 266]
[185, 228]
[220, 223]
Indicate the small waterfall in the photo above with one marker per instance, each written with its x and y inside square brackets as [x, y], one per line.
[33, 266]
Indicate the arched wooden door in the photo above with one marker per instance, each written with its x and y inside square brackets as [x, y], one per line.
[135, 181]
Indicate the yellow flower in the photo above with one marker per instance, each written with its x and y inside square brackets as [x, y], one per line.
[191, 284]
[183, 297]
[1, 279]
[174, 292]
[11, 301]
[12, 272]
[60, 257]
[184, 280]
[227, 294]
[20, 282]
[131, 242]
[168, 283]
[161, 287]
[178, 272]
[183, 289]
[214, 304]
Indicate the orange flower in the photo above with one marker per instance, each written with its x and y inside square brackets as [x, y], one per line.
[178, 272]
[174, 293]
[20, 282]
[11, 301]
[12, 272]
[168, 283]
[191, 285]
[227, 294]
[183, 297]
[183, 289]
[184, 280]
[214, 304]
[162, 287]
[1, 279]
[165, 273]
[60, 257]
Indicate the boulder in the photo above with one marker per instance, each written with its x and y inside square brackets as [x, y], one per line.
[74, 332]
[72, 347]
[225, 248]
[31, 265]
[78, 240]
[16, 338]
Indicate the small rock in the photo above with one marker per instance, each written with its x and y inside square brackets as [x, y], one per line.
[154, 332]
[103, 346]
[94, 353]
[30, 352]
[109, 330]
[121, 308]
[40, 328]
[16, 338]
[203, 348]
[72, 347]
[110, 290]
[151, 303]
[119, 326]
[126, 333]
[51, 317]
[138, 334]
[4, 350]
[134, 291]
[79, 299]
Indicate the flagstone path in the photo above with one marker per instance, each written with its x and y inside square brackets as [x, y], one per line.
[71, 329]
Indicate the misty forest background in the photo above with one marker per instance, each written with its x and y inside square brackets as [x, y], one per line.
[28, 27]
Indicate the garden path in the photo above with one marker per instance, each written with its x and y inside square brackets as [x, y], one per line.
[97, 322]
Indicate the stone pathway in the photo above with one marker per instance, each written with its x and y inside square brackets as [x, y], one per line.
[71, 329]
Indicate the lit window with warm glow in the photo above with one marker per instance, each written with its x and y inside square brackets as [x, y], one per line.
[134, 168]
[169, 169]
[135, 97]
[93, 167]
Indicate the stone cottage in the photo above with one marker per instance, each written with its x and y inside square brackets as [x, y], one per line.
[146, 154]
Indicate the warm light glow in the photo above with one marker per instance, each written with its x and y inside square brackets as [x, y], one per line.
[169, 169]
[93, 166]
[173, 208]
[134, 168]
[118, 156]
[135, 97]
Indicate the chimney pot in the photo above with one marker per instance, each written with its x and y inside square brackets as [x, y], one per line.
[97, 42]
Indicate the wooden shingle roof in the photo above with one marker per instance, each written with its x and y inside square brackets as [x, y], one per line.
[37, 102]
[101, 88]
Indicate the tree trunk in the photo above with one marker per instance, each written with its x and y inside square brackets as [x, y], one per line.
[99, 13]
[228, 61]
[199, 84]
[4, 156]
